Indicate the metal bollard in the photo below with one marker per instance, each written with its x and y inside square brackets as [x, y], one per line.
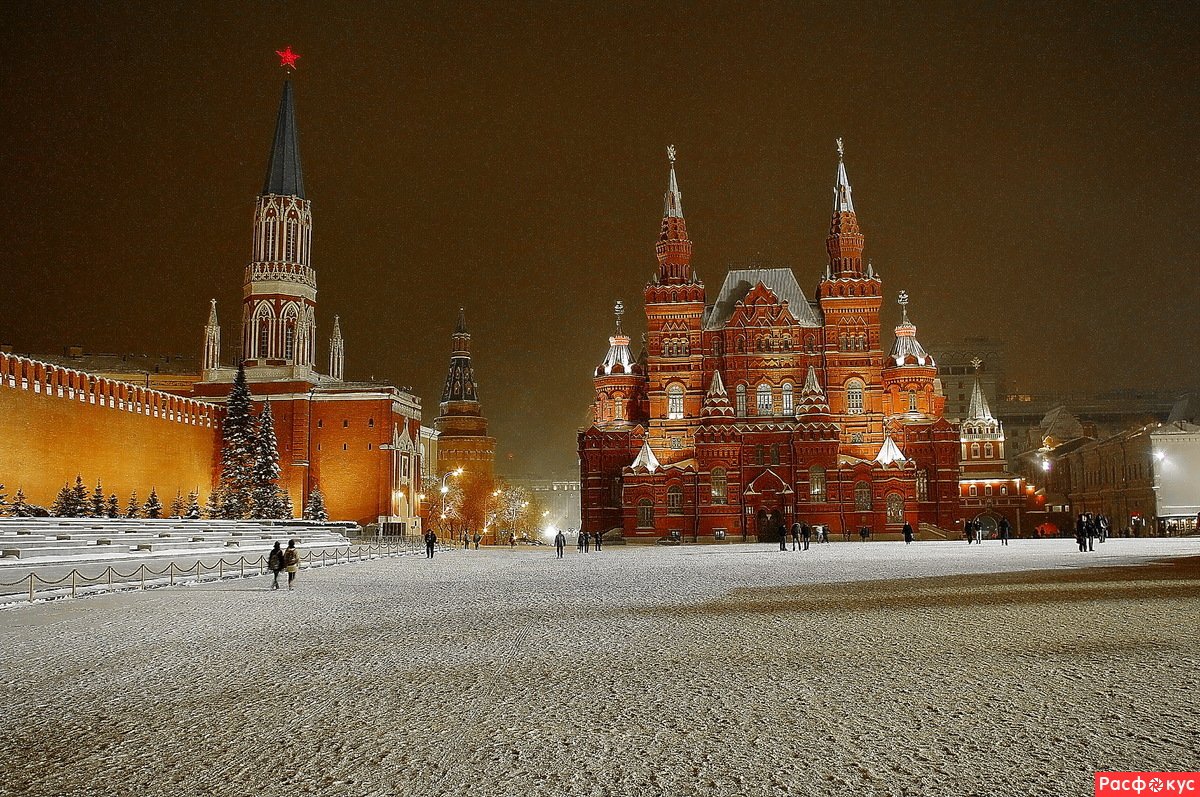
[142, 573]
[221, 568]
[108, 574]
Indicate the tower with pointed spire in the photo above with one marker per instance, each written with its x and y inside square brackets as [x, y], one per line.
[212, 340]
[620, 383]
[982, 433]
[463, 441]
[910, 377]
[337, 352]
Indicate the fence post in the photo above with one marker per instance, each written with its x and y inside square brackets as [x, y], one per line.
[108, 574]
[171, 572]
[31, 587]
[242, 566]
[221, 568]
[142, 574]
[73, 572]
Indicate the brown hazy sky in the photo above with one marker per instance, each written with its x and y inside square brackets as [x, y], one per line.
[1023, 171]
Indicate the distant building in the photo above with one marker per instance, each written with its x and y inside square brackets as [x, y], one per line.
[171, 373]
[561, 497]
[958, 375]
[462, 438]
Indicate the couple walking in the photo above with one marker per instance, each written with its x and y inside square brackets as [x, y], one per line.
[281, 560]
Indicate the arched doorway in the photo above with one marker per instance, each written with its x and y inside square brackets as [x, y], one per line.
[988, 524]
[768, 524]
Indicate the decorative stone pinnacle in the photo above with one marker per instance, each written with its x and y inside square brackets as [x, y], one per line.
[902, 300]
[671, 152]
[618, 311]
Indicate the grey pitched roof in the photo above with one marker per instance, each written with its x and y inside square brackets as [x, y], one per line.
[781, 282]
[284, 175]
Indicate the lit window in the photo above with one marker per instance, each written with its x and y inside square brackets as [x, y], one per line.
[788, 401]
[988, 450]
[862, 497]
[645, 514]
[765, 405]
[973, 491]
[720, 487]
[987, 489]
[816, 483]
[974, 450]
[912, 401]
[675, 402]
[674, 500]
[854, 397]
[741, 400]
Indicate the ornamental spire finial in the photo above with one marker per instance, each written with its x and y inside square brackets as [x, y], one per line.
[672, 201]
[902, 300]
[841, 149]
[671, 152]
[618, 311]
[975, 363]
[287, 58]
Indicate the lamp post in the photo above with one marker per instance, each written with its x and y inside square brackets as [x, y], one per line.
[446, 489]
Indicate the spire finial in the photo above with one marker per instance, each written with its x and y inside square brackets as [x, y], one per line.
[618, 311]
[902, 300]
[672, 201]
[287, 58]
[975, 363]
[671, 152]
[841, 149]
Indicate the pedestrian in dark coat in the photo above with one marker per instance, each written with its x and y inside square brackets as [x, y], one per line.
[908, 533]
[783, 535]
[1003, 531]
[560, 542]
[796, 536]
[291, 560]
[579, 541]
[863, 532]
[806, 533]
[1081, 533]
[478, 539]
[969, 531]
[430, 542]
[275, 564]
[599, 539]
[587, 542]
[1093, 530]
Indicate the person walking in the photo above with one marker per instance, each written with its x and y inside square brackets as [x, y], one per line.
[291, 560]
[1092, 532]
[599, 539]
[783, 535]
[796, 536]
[587, 542]
[560, 542]
[862, 533]
[579, 542]
[512, 540]
[1003, 531]
[824, 532]
[478, 539]
[275, 564]
[806, 533]
[968, 532]
[1081, 533]
[430, 542]
[978, 533]
[908, 533]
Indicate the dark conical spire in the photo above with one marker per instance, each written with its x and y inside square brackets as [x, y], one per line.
[460, 326]
[460, 380]
[284, 175]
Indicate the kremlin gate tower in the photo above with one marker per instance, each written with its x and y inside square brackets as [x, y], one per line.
[763, 408]
[355, 441]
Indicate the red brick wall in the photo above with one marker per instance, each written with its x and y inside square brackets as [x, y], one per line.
[56, 423]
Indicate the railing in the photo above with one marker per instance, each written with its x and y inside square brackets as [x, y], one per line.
[222, 568]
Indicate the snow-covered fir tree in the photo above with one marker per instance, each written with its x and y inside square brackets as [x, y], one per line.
[20, 507]
[284, 502]
[133, 509]
[212, 507]
[4, 508]
[315, 509]
[81, 503]
[193, 506]
[265, 497]
[62, 503]
[237, 451]
[177, 505]
[97, 507]
[113, 508]
[154, 506]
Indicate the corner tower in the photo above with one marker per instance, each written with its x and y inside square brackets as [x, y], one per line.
[463, 440]
[280, 287]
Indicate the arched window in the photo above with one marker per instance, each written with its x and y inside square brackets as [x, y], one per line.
[862, 497]
[675, 402]
[789, 407]
[974, 450]
[988, 450]
[816, 483]
[268, 243]
[1004, 489]
[741, 400]
[645, 514]
[774, 453]
[765, 405]
[720, 486]
[264, 338]
[987, 489]
[758, 455]
[674, 500]
[922, 485]
[912, 401]
[614, 491]
[289, 338]
[895, 508]
[972, 491]
[854, 397]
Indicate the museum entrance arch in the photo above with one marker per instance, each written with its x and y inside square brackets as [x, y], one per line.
[768, 524]
[989, 524]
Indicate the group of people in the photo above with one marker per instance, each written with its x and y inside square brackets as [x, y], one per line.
[803, 534]
[584, 542]
[973, 531]
[279, 560]
[1088, 529]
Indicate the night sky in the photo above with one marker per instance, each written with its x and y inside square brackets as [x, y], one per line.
[1027, 172]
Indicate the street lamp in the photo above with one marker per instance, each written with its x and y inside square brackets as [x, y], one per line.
[446, 489]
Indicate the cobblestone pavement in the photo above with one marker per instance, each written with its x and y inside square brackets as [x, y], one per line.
[931, 669]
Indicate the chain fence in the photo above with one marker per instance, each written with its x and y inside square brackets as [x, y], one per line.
[78, 582]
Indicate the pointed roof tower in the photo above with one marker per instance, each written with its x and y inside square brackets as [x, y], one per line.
[889, 452]
[812, 396]
[978, 410]
[674, 247]
[460, 379]
[716, 401]
[619, 359]
[284, 174]
[646, 459]
[845, 240]
[906, 349]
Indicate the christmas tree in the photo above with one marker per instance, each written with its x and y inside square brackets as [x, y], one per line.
[264, 496]
[62, 503]
[97, 507]
[3, 502]
[113, 509]
[19, 506]
[133, 509]
[315, 509]
[193, 505]
[80, 500]
[237, 451]
[284, 502]
[154, 506]
[212, 507]
[177, 506]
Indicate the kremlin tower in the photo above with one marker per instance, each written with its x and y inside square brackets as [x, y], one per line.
[463, 440]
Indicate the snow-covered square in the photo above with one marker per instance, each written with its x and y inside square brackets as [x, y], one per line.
[878, 668]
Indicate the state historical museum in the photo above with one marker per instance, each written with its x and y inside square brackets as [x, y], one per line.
[760, 407]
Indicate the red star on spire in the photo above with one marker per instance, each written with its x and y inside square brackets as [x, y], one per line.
[287, 58]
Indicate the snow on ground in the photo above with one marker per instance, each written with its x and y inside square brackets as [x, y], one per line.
[665, 671]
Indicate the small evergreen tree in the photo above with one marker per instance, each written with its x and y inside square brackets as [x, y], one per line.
[81, 504]
[62, 503]
[4, 508]
[133, 509]
[283, 502]
[315, 509]
[20, 508]
[113, 508]
[97, 508]
[193, 506]
[153, 506]
[177, 506]
[237, 451]
[212, 507]
[264, 495]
